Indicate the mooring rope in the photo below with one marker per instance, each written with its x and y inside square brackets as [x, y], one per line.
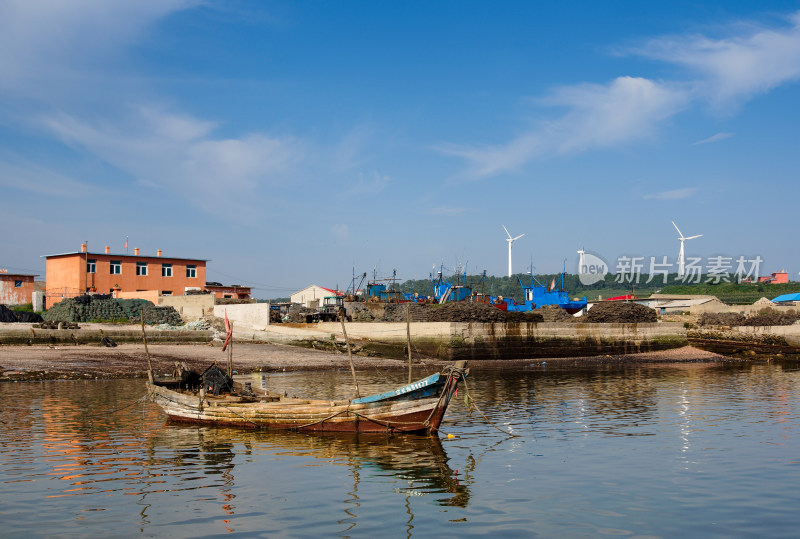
[115, 410]
[472, 403]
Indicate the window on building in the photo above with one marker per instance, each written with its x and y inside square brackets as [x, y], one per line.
[166, 270]
[91, 266]
[116, 267]
[141, 268]
[166, 292]
[17, 283]
[191, 271]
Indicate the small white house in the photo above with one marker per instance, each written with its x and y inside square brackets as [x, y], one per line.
[311, 296]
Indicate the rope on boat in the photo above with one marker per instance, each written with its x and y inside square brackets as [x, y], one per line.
[452, 372]
[473, 405]
[388, 424]
[240, 415]
[321, 420]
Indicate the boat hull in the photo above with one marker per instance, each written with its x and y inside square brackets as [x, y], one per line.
[416, 408]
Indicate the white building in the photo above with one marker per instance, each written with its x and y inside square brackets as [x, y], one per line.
[311, 296]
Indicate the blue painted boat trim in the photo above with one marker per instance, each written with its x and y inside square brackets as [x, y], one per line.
[412, 387]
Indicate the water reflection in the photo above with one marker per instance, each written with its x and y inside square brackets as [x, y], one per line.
[419, 461]
[645, 449]
[419, 466]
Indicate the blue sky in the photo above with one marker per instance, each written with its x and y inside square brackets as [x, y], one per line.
[288, 142]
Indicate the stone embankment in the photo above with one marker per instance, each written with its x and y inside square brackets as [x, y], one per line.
[766, 333]
[94, 334]
[747, 341]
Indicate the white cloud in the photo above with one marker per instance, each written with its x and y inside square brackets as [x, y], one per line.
[371, 185]
[487, 161]
[34, 178]
[674, 194]
[42, 41]
[179, 153]
[63, 65]
[626, 109]
[341, 232]
[714, 138]
[630, 108]
[737, 67]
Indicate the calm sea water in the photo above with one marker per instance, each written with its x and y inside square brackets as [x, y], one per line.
[691, 450]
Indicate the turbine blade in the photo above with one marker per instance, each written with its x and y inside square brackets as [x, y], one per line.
[504, 228]
[518, 237]
[678, 229]
[693, 237]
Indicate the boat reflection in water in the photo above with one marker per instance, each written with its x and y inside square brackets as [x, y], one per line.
[418, 463]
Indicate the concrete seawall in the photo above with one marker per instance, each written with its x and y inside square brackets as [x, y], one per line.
[457, 340]
[441, 340]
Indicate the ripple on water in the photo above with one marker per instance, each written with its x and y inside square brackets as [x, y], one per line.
[630, 451]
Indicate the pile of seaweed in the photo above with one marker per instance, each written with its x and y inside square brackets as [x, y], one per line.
[530, 316]
[767, 317]
[554, 313]
[103, 308]
[9, 316]
[620, 312]
[455, 312]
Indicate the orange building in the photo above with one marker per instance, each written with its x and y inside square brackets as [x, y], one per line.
[777, 277]
[233, 291]
[15, 288]
[73, 274]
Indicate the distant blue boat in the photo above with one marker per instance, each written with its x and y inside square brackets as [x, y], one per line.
[537, 295]
[445, 291]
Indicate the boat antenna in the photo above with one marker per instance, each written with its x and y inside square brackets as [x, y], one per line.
[408, 338]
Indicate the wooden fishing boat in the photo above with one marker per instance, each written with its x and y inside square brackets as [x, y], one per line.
[417, 407]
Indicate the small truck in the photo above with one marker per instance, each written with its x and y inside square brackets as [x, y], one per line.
[329, 311]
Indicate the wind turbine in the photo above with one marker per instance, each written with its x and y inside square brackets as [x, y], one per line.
[681, 257]
[581, 260]
[510, 241]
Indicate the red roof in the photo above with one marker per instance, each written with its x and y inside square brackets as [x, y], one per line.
[335, 292]
[621, 298]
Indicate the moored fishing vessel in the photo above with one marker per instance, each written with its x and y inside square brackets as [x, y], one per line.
[417, 407]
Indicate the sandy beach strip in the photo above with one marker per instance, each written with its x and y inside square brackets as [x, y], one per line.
[129, 360]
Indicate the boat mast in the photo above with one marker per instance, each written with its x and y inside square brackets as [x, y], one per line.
[349, 353]
[147, 353]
